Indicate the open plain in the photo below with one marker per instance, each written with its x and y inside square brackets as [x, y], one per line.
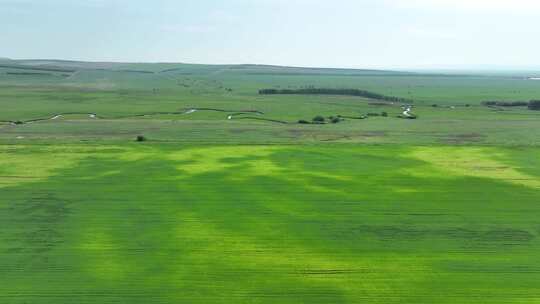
[231, 196]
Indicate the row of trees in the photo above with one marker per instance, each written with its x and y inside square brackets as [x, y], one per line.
[506, 103]
[328, 91]
[532, 105]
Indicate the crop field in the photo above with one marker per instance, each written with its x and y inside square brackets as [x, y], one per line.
[266, 224]
[229, 199]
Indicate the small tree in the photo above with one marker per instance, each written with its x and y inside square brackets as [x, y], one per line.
[140, 138]
[335, 120]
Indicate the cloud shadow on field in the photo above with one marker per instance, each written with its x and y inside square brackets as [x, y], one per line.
[285, 224]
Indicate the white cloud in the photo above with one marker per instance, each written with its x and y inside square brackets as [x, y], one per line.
[488, 6]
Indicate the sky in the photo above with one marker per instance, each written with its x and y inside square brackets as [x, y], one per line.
[322, 33]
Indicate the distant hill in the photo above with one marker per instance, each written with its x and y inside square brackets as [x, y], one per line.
[183, 68]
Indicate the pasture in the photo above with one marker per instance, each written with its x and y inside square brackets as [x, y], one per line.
[156, 100]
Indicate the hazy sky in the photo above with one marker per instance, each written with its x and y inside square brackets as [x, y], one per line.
[328, 33]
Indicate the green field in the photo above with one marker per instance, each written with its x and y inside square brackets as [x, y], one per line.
[440, 209]
[117, 92]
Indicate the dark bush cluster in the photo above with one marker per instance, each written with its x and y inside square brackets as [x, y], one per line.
[506, 103]
[335, 120]
[534, 105]
[327, 91]
[319, 119]
[140, 138]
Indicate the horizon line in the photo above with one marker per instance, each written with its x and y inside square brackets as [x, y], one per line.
[396, 68]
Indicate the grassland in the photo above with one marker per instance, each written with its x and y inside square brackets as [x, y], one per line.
[441, 209]
[120, 92]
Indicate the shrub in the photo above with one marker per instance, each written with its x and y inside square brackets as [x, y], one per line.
[335, 120]
[141, 138]
[304, 122]
[384, 114]
[319, 119]
[534, 105]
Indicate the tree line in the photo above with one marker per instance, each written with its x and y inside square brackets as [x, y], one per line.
[532, 105]
[505, 103]
[328, 91]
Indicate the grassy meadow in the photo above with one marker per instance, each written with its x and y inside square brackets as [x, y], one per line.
[120, 93]
[440, 209]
